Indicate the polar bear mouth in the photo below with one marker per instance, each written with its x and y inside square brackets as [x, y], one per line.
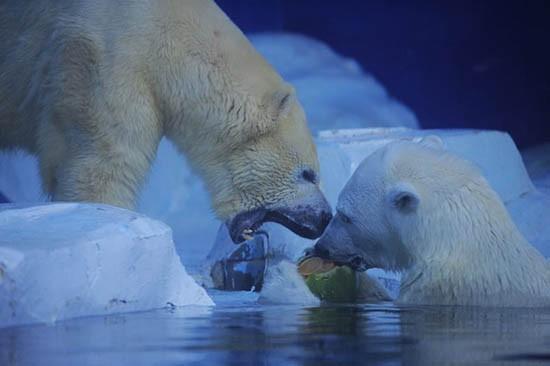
[243, 226]
[303, 221]
[356, 262]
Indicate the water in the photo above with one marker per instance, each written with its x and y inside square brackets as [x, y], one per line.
[243, 333]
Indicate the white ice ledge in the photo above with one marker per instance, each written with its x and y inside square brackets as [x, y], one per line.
[68, 260]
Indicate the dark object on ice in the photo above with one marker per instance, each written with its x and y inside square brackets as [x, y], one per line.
[4, 199]
[244, 269]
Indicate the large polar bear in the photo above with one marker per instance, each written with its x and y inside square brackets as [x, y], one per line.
[415, 208]
[91, 86]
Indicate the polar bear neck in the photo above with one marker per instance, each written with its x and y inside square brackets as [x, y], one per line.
[468, 251]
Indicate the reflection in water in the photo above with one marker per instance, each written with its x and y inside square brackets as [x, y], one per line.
[476, 335]
[288, 335]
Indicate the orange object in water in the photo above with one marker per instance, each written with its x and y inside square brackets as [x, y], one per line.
[314, 265]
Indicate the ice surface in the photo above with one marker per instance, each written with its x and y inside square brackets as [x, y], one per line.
[284, 285]
[537, 162]
[334, 90]
[493, 151]
[19, 178]
[67, 260]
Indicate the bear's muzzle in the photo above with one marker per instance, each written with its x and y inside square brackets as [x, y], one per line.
[307, 218]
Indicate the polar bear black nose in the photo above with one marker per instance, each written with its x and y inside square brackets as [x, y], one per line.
[309, 176]
[322, 252]
[356, 262]
[325, 218]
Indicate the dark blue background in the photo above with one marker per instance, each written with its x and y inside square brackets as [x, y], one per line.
[480, 64]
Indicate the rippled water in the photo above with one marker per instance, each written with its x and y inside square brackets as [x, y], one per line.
[243, 333]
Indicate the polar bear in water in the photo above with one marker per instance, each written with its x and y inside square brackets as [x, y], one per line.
[415, 208]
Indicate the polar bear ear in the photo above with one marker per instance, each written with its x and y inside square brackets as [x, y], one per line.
[281, 103]
[403, 198]
[432, 141]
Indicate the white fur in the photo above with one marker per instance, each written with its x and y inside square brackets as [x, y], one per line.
[457, 246]
[91, 86]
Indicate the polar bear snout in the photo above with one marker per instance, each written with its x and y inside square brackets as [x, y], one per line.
[307, 218]
[308, 222]
[337, 245]
[357, 262]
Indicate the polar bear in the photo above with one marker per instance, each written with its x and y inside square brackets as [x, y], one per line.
[415, 208]
[91, 86]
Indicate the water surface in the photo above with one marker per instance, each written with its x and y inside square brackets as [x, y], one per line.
[244, 333]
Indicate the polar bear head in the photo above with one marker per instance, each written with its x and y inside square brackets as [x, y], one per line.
[403, 203]
[239, 124]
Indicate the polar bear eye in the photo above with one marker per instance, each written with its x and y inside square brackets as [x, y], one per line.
[345, 218]
[309, 176]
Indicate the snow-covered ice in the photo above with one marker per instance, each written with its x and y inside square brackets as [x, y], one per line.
[68, 260]
[537, 162]
[284, 285]
[493, 151]
[334, 90]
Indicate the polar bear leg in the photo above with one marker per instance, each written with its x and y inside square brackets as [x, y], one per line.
[95, 161]
[95, 144]
[93, 175]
